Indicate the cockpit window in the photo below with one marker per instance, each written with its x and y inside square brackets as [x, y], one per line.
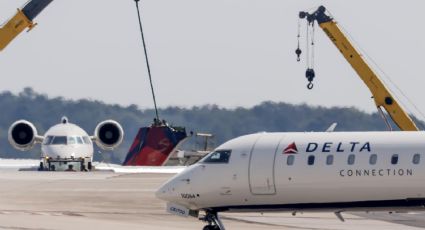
[86, 140]
[59, 140]
[218, 156]
[63, 140]
[71, 140]
[48, 140]
[79, 140]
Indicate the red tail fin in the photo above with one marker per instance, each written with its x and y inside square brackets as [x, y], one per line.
[153, 145]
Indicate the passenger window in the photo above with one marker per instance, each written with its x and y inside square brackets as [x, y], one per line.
[48, 140]
[329, 159]
[59, 140]
[79, 140]
[310, 160]
[351, 159]
[71, 140]
[373, 158]
[416, 158]
[394, 159]
[290, 160]
[219, 156]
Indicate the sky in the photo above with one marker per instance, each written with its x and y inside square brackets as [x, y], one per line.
[225, 52]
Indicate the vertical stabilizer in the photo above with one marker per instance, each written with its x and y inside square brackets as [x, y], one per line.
[154, 145]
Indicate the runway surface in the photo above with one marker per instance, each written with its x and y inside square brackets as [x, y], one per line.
[106, 200]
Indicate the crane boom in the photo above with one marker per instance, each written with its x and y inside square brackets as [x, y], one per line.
[381, 95]
[21, 20]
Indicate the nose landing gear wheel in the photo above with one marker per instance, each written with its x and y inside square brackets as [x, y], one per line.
[214, 222]
[211, 227]
[41, 167]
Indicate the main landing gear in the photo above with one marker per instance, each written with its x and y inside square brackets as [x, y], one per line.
[214, 222]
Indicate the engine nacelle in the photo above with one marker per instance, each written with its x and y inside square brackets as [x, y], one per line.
[22, 135]
[108, 135]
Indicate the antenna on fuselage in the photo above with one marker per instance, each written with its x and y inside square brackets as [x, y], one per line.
[64, 120]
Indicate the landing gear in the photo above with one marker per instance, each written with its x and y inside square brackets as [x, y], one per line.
[210, 227]
[214, 222]
[41, 167]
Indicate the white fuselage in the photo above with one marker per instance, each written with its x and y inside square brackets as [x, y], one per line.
[335, 171]
[66, 141]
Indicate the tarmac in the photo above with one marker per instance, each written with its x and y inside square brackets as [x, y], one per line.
[107, 200]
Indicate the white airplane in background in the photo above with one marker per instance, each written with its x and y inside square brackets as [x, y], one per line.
[65, 146]
[301, 172]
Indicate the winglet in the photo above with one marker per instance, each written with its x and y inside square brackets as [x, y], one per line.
[332, 127]
[339, 215]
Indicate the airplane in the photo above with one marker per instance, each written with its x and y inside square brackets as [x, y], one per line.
[301, 172]
[65, 146]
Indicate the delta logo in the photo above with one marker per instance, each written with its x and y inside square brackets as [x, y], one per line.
[328, 147]
[291, 149]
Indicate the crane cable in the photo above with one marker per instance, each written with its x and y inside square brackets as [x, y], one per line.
[298, 50]
[310, 74]
[157, 121]
[386, 78]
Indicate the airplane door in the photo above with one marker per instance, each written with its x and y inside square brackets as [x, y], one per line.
[261, 165]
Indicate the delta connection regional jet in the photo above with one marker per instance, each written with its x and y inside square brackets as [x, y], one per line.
[302, 172]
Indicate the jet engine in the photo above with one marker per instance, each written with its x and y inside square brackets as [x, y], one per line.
[108, 135]
[22, 135]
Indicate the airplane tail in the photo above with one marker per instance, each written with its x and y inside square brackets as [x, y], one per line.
[154, 145]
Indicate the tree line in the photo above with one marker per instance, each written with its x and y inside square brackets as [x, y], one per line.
[224, 123]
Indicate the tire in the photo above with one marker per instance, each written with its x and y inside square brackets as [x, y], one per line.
[89, 166]
[41, 167]
[211, 227]
[208, 227]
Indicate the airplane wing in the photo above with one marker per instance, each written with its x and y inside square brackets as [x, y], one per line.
[139, 169]
[18, 164]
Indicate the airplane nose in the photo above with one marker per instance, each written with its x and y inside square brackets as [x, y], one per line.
[160, 193]
[173, 189]
[165, 192]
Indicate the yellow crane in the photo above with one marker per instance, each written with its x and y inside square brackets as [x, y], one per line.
[381, 95]
[22, 20]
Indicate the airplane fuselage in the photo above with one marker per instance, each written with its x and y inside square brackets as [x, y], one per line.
[67, 141]
[335, 171]
[64, 145]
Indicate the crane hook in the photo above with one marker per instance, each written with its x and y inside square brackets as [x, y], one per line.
[310, 85]
[309, 74]
[298, 53]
